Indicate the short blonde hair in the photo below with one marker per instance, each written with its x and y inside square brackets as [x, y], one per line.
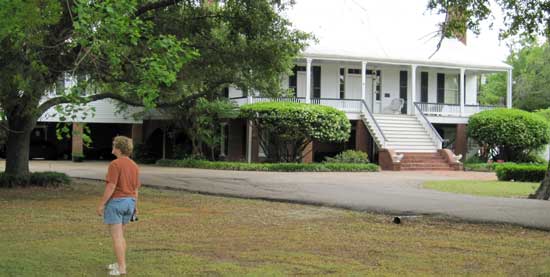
[124, 144]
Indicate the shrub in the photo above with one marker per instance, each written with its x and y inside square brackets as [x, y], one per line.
[285, 128]
[282, 167]
[514, 132]
[521, 172]
[349, 156]
[39, 179]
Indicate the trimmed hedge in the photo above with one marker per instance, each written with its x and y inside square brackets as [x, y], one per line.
[349, 156]
[36, 179]
[521, 172]
[280, 167]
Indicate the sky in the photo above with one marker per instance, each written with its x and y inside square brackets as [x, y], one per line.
[387, 22]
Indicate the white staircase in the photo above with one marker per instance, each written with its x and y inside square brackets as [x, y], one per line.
[405, 134]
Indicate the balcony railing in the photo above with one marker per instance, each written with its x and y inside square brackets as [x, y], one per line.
[346, 105]
[439, 109]
[355, 105]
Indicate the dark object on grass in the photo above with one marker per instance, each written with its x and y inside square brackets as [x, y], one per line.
[396, 220]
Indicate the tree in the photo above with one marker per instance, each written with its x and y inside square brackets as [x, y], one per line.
[527, 18]
[110, 44]
[515, 133]
[531, 75]
[493, 92]
[285, 129]
[201, 123]
[119, 49]
[245, 46]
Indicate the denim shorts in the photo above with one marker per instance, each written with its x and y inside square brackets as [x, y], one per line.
[119, 210]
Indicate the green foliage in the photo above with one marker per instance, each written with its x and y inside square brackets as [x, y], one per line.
[521, 172]
[283, 167]
[514, 132]
[494, 91]
[531, 76]
[527, 18]
[285, 128]
[247, 44]
[349, 156]
[201, 122]
[39, 179]
[545, 113]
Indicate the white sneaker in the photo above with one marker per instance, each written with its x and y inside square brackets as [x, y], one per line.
[115, 272]
[112, 266]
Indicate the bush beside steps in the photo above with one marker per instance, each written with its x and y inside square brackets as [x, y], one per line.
[280, 167]
[34, 179]
[521, 172]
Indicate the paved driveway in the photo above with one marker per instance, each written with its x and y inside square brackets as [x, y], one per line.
[387, 192]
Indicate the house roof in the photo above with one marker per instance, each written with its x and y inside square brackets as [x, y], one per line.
[376, 31]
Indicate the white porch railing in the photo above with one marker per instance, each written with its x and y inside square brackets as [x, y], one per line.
[254, 99]
[345, 105]
[439, 109]
[428, 126]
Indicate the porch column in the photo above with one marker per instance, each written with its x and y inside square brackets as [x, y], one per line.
[413, 90]
[462, 90]
[308, 81]
[509, 89]
[363, 80]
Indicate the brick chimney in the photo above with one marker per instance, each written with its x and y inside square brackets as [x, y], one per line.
[461, 35]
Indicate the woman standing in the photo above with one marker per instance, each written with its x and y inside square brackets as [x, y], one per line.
[119, 201]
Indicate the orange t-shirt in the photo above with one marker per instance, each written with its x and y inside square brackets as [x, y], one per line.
[124, 173]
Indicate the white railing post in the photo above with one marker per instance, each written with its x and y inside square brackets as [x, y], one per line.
[308, 80]
[462, 90]
[509, 89]
[413, 89]
[363, 80]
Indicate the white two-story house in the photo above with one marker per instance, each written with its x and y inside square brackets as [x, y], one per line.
[408, 106]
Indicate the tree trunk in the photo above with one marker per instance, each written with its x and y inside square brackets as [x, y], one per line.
[543, 192]
[18, 146]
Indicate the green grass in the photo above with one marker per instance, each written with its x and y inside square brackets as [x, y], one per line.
[484, 188]
[55, 232]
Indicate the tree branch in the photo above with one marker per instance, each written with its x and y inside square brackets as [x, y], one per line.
[155, 6]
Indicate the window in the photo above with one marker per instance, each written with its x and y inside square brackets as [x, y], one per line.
[342, 83]
[440, 88]
[451, 89]
[316, 82]
[354, 71]
[376, 82]
[424, 87]
[292, 80]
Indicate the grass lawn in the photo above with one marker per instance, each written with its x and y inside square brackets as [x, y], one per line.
[484, 188]
[55, 232]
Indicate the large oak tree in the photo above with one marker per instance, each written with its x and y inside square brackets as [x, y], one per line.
[133, 51]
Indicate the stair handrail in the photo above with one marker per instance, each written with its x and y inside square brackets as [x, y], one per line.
[372, 122]
[437, 139]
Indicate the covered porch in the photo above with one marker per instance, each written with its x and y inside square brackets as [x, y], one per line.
[384, 87]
